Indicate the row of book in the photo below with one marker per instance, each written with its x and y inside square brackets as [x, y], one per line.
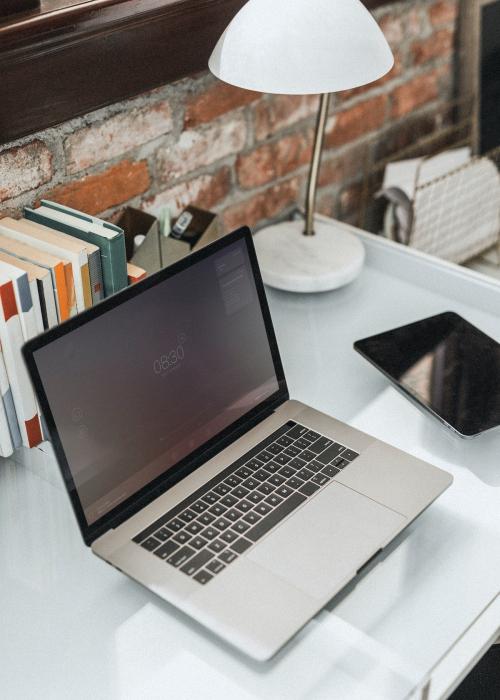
[54, 263]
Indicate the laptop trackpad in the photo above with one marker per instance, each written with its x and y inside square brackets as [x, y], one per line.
[321, 546]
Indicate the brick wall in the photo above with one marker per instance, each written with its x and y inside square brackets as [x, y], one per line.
[242, 154]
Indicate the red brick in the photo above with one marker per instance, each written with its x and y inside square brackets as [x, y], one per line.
[116, 135]
[415, 93]
[24, 168]
[281, 111]
[444, 12]
[96, 193]
[356, 121]
[199, 148]
[273, 160]
[205, 191]
[265, 205]
[438, 45]
[392, 27]
[216, 100]
[342, 168]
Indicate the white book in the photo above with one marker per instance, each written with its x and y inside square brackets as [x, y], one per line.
[26, 298]
[8, 406]
[11, 337]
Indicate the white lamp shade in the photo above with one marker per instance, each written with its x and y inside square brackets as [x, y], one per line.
[301, 47]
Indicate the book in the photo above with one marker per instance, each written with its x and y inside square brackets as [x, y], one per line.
[85, 259]
[109, 238]
[28, 302]
[56, 266]
[135, 274]
[11, 337]
[9, 410]
[41, 276]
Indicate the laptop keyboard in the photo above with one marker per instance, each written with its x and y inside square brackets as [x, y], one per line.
[223, 519]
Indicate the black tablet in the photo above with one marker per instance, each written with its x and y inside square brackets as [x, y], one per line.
[447, 365]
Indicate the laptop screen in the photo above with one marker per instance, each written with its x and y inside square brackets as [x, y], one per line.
[138, 388]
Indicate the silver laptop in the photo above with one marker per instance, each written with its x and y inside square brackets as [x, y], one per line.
[190, 469]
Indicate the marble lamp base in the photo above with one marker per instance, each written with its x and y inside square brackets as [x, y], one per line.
[293, 262]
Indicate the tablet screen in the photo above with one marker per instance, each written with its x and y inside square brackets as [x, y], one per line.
[447, 365]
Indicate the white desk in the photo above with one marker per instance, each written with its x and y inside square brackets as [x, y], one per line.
[71, 626]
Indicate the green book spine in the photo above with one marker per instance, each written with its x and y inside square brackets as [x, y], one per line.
[113, 256]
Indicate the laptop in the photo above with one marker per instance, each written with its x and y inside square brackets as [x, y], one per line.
[191, 470]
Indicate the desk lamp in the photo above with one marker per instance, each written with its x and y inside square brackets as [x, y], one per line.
[302, 47]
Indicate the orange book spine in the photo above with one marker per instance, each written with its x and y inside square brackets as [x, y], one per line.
[70, 288]
[62, 294]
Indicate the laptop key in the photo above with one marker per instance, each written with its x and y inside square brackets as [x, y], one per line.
[255, 497]
[211, 497]
[194, 528]
[274, 517]
[187, 516]
[284, 440]
[152, 543]
[282, 459]
[210, 533]
[222, 523]
[311, 435]
[228, 536]
[175, 525]
[217, 510]
[239, 492]
[263, 509]
[265, 488]
[199, 507]
[229, 501]
[307, 455]
[243, 472]
[240, 527]
[292, 451]
[265, 456]
[287, 472]
[182, 537]
[330, 470]
[297, 463]
[222, 489]
[181, 556]
[297, 431]
[330, 453]
[228, 556]
[203, 577]
[315, 466]
[245, 506]
[197, 562]
[276, 479]
[320, 444]
[198, 542]
[349, 455]
[343, 463]
[261, 475]
[303, 444]
[167, 549]
[251, 517]
[320, 479]
[294, 483]
[233, 515]
[273, 500]
[272, 467]
[304, 474]
[274, 448]
[215, 566]
[309, 488]
[254, 463]
[250, 483]
[233, 480]
[163, 534]
[241, 545]
[217, 546]
[206, 518]
[284, 491]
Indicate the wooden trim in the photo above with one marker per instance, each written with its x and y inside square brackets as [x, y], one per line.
[60, 63]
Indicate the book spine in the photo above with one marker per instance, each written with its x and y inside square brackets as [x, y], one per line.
[61, 292]
[43, 305]
[135, 274]
[37, 306]
[70, 289]
[96, 281]
[50, 301]
[12, 341]
[87, 290]
[118, 263]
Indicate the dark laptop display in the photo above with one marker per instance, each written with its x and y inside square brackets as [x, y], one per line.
[139, 387]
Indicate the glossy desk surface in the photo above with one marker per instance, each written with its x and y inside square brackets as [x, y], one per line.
[71, 626]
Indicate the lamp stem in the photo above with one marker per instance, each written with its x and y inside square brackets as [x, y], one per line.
[312, 184]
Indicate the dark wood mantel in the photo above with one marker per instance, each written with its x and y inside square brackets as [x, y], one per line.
[71, 57]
